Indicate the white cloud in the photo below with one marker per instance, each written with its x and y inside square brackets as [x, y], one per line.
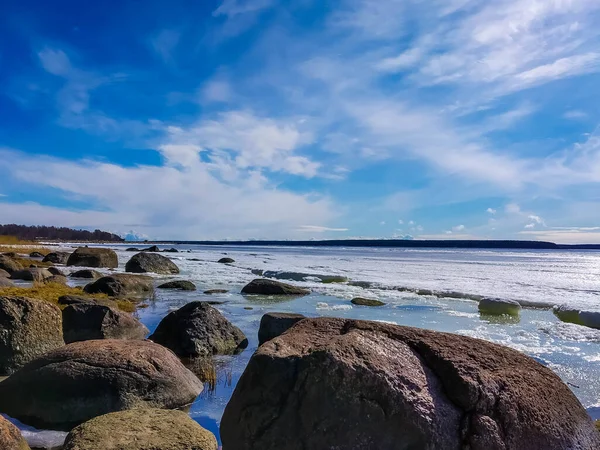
[165, 43]
[512, 208]
[319, 229]
[217, 91]
[401, 222]
[55, 62]
[231, 8]
[382, 222]
[530, 225]
[491, 211]
[458, 228]
[536, 219]
[575, 115]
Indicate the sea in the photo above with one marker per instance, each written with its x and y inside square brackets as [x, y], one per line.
[404, 280]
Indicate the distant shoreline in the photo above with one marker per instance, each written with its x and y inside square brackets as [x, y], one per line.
[383, 243]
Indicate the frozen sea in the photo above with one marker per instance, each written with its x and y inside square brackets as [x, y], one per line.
[534, 277]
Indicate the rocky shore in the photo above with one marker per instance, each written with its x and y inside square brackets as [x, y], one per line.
[83, 363]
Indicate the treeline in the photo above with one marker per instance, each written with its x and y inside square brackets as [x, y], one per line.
[32, 233]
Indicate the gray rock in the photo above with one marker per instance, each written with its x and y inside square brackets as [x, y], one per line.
[83, 380]
[584, 318]
[275, 324]
[36, 274]
[366, 302]
[197, 329]
[87, 321]
[36, 255]
[499, 307]
[56, 271]
[182, 285]
[60, 279]
[4, 274]
[151, 262]
[94, 257]
[226, 260]
[272, 287]
[28, 329]
[86, 273]
[5, 282]
[57, 257]
[216, 291]
[9, 265]
[299, 276]
[345, 384]
[154, 248]
[122, 285]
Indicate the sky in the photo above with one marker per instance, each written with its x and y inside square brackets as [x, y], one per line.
[304, 119]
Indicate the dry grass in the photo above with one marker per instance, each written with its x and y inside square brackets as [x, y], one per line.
[26, 262]
[51, 292]
[13, 244]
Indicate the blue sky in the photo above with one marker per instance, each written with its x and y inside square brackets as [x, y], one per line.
[303, 119]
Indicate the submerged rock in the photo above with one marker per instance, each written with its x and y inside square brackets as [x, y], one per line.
[86, 273]
[346, 384]
[9, 265]
[94, 257]
[198, 329]
[145, 429]
[10, 437]
[36, 274]
[566, 313]
[132, 249]
[272, 287]
[121, 285]
[83, 380]
[57, 257]
[366, 302]
[274, 324]
[182, 285]
[171, 250]
[298, 276]
[498, 307]
[151, 262]
[153, 248]
[28, 329]
[86, 321]
[56, 271]
[216, 291]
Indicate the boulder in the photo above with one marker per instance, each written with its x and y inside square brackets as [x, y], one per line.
[151, 262]
[28, 329]
[10, 437]
[499, 307]
[141, 429]
[198, 329]
[171, 250]
[5, 282]
[86, 273]
[83, 380]
[366, 302]
[272, 287]
[57, 257]
[10, 254]
[4, 274]
[86, 321]
[258, 272]
[9, 265]
[60, 279]
[36, 274]
[299, 276]
[274, 324]
[121, 285]
[569, 314]
[216, 291]
[346, 384]
[66, 300]
[132, 249]
[36, 255]
[226, 260]
[182, 285]
[56, 271]
[94, 257]
[153, 248]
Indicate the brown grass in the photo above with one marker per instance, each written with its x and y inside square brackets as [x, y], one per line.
[51, 292]
[13, 244]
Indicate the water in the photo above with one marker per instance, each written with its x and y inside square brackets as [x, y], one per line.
[537, 277]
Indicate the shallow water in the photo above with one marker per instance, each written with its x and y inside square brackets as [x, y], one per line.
[543, 277]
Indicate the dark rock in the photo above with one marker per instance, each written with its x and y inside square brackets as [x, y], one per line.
[226, 260]
[4, 274]
[154, 248]
[171, 250]
[83, 380]
[85, 321]
[258, 272]
[497, 306]
[272, 287]
[86, 273]
[94, 257]
[36, 255]
[28, 329]
[10, 254]
[121, 285]
[9, 265]
[198, 329]
[249, 308]
[132, 249]
[274, 324]
[216, 291]
[31, 274]
[57, 257]
[56, 271]
[77, 300]
[366, 302]
[147, 429]
[151, 262]
[346, 384]
[194, 259]
[10, 437]
[60, 279]
[299, 276]
[182, 285]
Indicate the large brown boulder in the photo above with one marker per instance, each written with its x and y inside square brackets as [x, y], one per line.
[36, 274]
[346, 384]
[10, 437]
[151, 262]
[94, 257]
[79, 381]
[274, 324]
[86, 273]
[122, 285]
[198, 329]
[271, 287]
[85, 321]
[9, 265]
[28, 329]
[57, 257]
[141, 429]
